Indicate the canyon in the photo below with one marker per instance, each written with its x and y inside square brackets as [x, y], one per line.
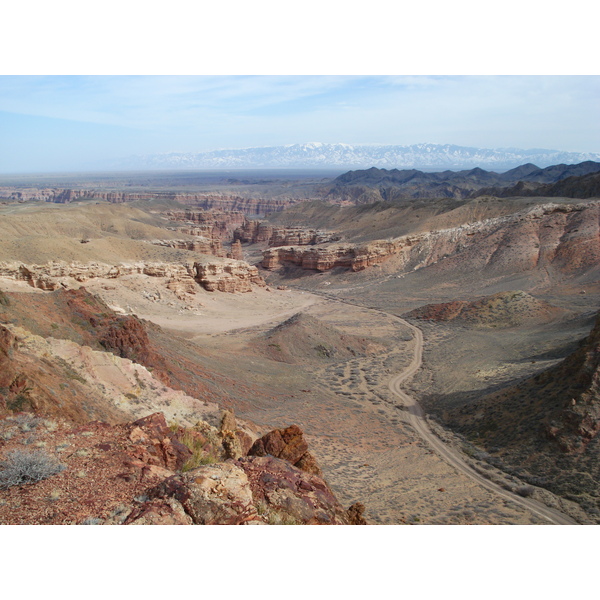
[376, 354]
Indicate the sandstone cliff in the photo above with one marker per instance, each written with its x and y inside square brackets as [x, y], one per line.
[565, 237]
[253, 232]
[225, 275]
[220, 202]
[200, 244]
[324, 258]
[212, 224]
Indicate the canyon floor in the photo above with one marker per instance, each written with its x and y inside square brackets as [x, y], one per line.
[355, 426]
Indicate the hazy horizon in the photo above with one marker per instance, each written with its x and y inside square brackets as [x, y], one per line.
[77, 123]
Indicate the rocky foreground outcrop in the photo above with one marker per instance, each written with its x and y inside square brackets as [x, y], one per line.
[224, 275]
[147, 473]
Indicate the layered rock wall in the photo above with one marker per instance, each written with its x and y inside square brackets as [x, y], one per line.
[248, 206]
[209, 223]
[566, 237]
[328, 257]
[226, 275]
[254, 232]
[202, 245]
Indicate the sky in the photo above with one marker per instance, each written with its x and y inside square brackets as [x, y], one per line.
[71, 122]
[83, 87]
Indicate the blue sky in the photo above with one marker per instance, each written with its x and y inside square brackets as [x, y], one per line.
[72, 122]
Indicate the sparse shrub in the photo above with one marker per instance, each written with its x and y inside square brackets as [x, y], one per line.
[22, 467]
[525, 490]
[18, 402]
[92, 521]
[324, 352]
[203, 451]
[27, 422]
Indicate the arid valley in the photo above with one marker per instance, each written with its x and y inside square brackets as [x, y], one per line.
[379, 347]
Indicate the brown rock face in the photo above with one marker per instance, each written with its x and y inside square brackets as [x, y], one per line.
[219, 274]
[288, 444]
[217, 494]
[212, 224]
[284, 493]
[324, 258]
[205, 202]
[254, 232]
[355, 514]
[565, 237]
[165, 511]
[236, 251]
[202, 245]
[159, 444]
[228, 276]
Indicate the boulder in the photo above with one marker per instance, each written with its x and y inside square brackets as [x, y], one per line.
[286, 495]
[288, 444]
[218, 494]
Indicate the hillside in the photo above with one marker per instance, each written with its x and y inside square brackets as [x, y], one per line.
[545, 427]
[504, 309]
[575, 186]
[304, 339]
[189, 303]
[81, 440]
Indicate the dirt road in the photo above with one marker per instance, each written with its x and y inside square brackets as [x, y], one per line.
[416, 418]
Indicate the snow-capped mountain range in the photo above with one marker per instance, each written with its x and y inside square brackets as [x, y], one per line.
[346, 156]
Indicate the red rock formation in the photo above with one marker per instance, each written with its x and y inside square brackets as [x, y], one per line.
[236, 251]
[130, 473]
[288, 444]
[156, 444]
[324, 258]
[566, 237]
[210, 223]
[284, 493]
[225, 275]
[231, 276]
[255, 232]
[201, 244]
[249, 206]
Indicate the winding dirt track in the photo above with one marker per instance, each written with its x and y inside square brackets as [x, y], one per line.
[416, 418]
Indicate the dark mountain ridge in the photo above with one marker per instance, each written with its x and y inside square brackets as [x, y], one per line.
[395, 184]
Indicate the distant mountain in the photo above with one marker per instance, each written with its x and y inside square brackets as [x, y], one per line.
[346, 156]
[369, 185]
[576, 186]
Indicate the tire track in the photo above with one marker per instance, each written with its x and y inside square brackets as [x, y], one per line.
[416, 418]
